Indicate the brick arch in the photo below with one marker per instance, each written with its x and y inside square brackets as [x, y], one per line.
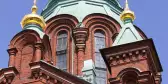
[23, 38]
[61, 20]
[129, 75]
[126, 71]
[102, 22]
[24, 43]
[98, 18]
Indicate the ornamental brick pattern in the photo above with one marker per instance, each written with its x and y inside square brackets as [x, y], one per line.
[137, 61]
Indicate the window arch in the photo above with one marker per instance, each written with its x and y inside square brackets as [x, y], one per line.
[61, 50]
[100, 67]
[130, 77]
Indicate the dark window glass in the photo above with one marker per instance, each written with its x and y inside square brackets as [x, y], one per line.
[131, 82]
[61, 51]
[100, 76]
[62, 41]
[99, 62]
[99, 44]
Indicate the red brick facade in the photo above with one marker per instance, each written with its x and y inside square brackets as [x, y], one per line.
[32, 59]
[85, 43]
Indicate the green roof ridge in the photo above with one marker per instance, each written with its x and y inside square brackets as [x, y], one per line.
[128, 34]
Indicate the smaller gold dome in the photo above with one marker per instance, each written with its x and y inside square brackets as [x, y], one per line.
[33, 18]
[127, 13]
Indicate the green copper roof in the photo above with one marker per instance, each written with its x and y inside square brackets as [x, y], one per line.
[35, 28]
[81, 8]
[127, 34]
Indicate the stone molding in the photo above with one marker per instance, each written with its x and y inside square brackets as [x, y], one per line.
[128, 57]
[12, 53]
[7, 75]
[43, 70]
[80, 36]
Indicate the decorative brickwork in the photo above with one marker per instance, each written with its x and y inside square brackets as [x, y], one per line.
[7, 75]
[80, 36]
[138, 60]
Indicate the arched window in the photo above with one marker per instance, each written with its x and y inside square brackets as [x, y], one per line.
[99, 44]
[61, 49]
[130, 77]
[100, 66]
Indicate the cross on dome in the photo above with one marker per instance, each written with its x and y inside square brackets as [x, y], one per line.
[126, 5]
[34, 7]
[35, 1]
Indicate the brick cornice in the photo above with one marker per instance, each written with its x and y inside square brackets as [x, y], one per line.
[7, 75]
[131, 49]
[130, 56]
[41, 68]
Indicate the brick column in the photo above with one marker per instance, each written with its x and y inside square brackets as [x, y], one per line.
[80, 36]
[80, 58]
[12, 53]
[38, 51]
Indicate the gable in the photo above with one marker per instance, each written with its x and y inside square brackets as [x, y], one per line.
[127, 37]
[128, 34]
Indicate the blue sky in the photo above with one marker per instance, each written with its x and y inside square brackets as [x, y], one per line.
[151, 17]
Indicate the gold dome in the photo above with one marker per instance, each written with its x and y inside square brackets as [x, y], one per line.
[33, 18]
[127, 13]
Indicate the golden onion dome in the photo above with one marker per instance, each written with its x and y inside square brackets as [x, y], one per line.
[33, 18]
[127, 13]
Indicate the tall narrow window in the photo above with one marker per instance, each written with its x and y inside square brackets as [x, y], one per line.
[61, 50]
[99, 62]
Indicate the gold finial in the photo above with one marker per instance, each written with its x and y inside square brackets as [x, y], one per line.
[34, 7]
[127, 14]
[33, 18]
[126, 5]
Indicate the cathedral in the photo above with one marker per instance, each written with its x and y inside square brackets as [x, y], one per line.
[81, 42]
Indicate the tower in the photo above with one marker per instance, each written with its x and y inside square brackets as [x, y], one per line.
[61, 46]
